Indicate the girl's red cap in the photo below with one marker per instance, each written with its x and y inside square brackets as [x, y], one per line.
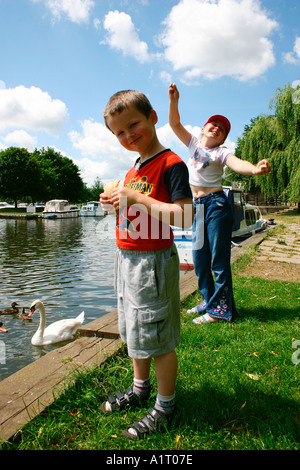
[218, 117]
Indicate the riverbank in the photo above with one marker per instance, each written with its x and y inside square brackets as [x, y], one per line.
[29, 391]
[22, 214]
[25, 216]
[248, 402]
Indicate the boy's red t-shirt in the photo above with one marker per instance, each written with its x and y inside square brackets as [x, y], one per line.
[135, 229]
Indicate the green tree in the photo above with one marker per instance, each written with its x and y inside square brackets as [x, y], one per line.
[60, 177]
[277, 138]
[96, 189]
[92, 193]
[19, 174]
[85, 194]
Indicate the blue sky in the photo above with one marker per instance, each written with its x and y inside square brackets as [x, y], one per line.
[61, 60]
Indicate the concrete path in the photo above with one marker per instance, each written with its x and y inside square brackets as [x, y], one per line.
[284, 247]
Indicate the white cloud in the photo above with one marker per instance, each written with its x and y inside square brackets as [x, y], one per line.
[167, 137]
[230, 144]
[31, 109]
[104, 156]
[293, 57]
[56, 149]
[215, 38]
[122, 36]
[96, 23]
[90, 170]
[297, 47]
[20, 138]
[96, 140]
[2, 146]
[77, 11]
[165, 77]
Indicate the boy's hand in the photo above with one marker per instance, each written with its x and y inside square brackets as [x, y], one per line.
[123, 197]
[106, 202]
[263, 167]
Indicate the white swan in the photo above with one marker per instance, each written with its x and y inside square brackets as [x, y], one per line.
[61, 330]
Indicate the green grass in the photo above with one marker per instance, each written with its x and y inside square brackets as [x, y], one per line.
[237, 387]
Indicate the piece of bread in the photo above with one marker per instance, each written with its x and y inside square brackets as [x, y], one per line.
[110, 186]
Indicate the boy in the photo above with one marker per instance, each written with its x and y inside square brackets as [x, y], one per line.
[155, 195]
[211, 257]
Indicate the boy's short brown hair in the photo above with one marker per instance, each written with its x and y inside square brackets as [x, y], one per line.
[123, 100]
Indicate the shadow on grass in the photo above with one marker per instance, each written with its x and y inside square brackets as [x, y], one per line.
[247, 411]
[267, 300]
[268, 314]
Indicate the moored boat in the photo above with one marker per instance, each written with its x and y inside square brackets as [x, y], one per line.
[5, 205]
[60, 209]
[92, 209]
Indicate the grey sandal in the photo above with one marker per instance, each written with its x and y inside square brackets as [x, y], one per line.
[118, 400]
[153, 421]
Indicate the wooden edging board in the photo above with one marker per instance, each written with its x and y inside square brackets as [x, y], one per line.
[29, 391]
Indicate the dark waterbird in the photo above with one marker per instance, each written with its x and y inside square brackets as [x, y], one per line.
[10, 311]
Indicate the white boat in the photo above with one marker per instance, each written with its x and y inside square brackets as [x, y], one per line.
[92, 209]
[247, 221]
[5, 205]
[60, 209]
[183, 242]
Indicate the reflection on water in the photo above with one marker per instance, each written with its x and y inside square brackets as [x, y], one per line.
[68, 264]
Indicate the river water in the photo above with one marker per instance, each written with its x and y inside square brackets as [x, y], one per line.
[67, 263]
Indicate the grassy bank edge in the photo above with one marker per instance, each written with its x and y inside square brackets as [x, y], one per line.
[237, 389]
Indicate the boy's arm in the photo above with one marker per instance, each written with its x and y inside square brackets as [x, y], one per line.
[174, 117]
[180, 213]
[243, 167]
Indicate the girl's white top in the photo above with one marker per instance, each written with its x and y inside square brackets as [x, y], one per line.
[206, 164]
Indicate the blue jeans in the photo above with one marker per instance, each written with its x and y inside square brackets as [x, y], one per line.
[212, 228]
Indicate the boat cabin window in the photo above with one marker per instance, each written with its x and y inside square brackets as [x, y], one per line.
[238, 199]
[251, 216]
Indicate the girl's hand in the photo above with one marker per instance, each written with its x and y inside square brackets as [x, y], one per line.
[173, 92]
[263, 167]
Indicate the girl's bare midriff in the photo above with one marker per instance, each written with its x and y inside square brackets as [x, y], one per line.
[199, 191]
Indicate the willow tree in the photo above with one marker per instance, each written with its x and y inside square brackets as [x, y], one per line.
[277, 138]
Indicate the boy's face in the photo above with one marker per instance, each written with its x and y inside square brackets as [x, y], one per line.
[133, 129]
[215, 130]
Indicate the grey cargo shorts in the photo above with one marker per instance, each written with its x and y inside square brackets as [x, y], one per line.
[147, 288]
